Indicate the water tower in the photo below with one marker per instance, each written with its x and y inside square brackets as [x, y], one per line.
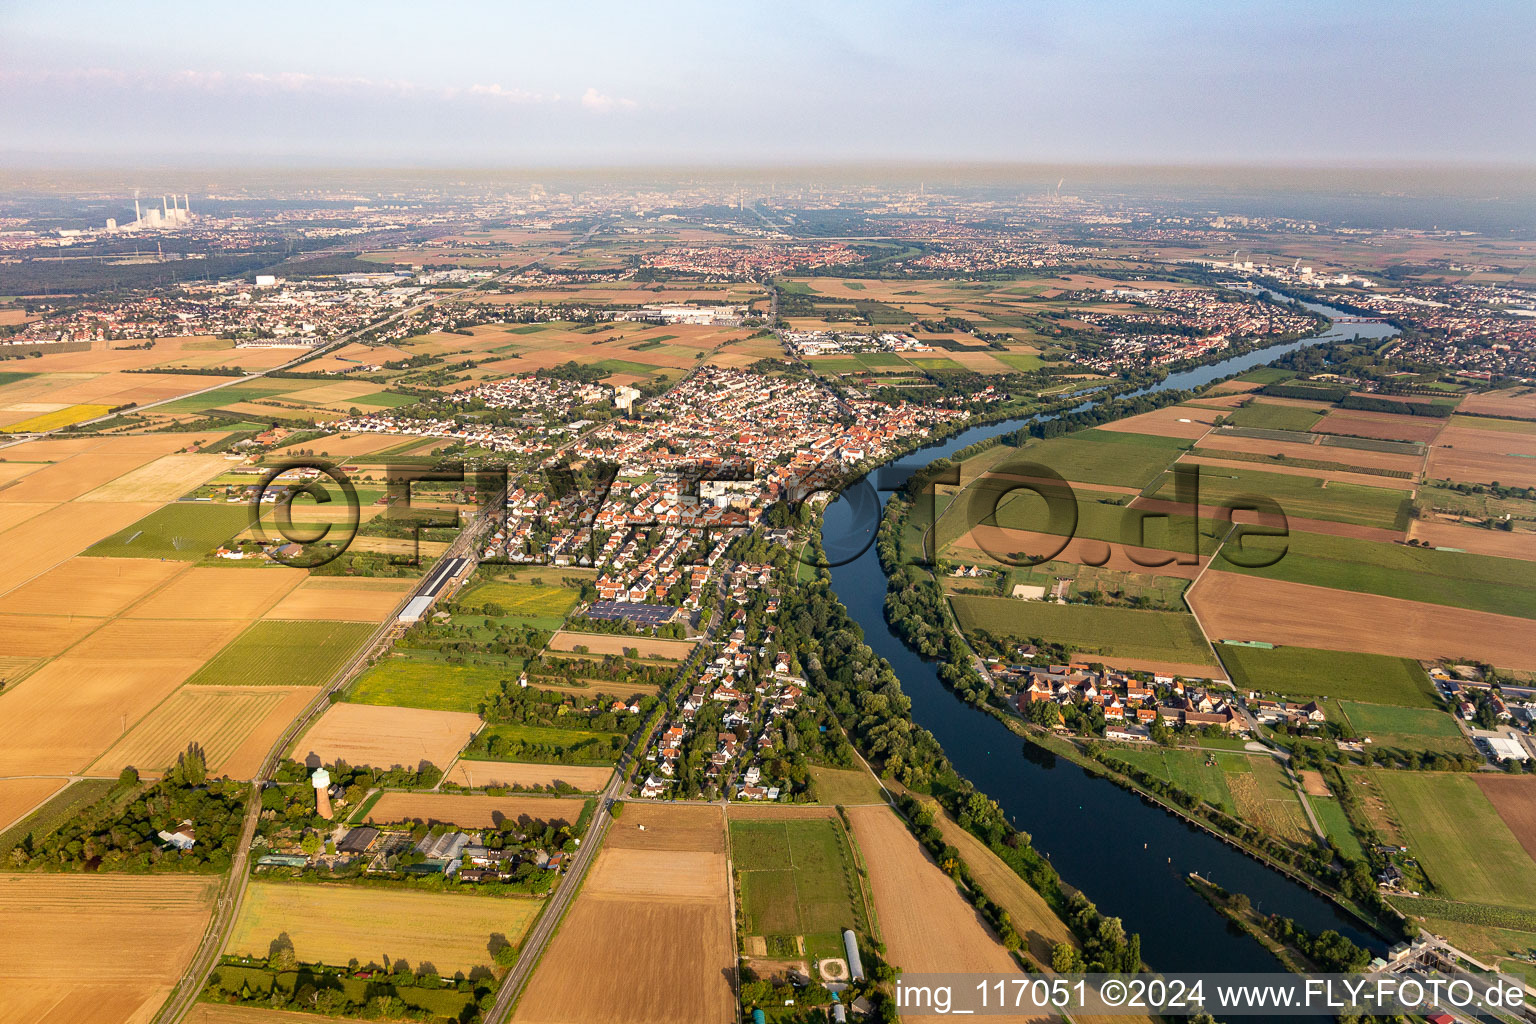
[321, 780]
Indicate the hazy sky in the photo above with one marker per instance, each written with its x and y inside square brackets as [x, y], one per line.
[648, 81]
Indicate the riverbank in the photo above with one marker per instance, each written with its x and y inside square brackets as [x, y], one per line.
[1129, 853]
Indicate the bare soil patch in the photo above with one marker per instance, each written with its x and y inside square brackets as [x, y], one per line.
[1233, 606]
[509, 773]
[602, 643]
[1384, 426]
[1514, 797]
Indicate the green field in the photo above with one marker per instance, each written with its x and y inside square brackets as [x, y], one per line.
[1408, 728]
[11, 377]
[1481, 583]
[185, 532]
[1330, 814]
[387, 399]
[1301, 496]
[1267, 375]
[1187, 770]
[540, 744]
[1269, 416]
[1089, 629]
[1024, 362]
[1310, 672]
[246, 392]
[1464, 847]
[1096, 519]
[407, 682]
[844, 786]
[530, 600]
[626, 366]
[797, 878]
[284, 653]
[1117, 463]
[936, 363]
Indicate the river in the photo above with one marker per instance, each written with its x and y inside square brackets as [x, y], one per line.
[1129, 856]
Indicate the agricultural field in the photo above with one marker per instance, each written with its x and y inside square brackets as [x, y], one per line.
[61, 807]
[604, 643]
[844, 786]
[1470, 454]
[332, 924]
[1330, 814]
[1274, 416]
[19, 797]
[1303, 494]
[143, 934]
[282, 653]
[474, 774]
[342, 598]
[89, 586]
[235, 726]
[166, 479]
[1189, 770]
[1233, 606]
[546, 744]
[797, 881]
[673, 880]
[64, 715]
[1406, 728]
[54, 533]
[1114, 633]
[1030, 915]
[1475, 582]
[926, 925]
[473, 811]
[188, 532]
[533, 601]
[55, 419]
[1104, 457]
[1308, 672]
[1453, 829]
[382, 737]
[218, 1013]
[1514, 798]
[400, 680]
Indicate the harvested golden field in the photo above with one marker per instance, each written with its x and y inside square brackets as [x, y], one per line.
[1032, 917]
[1514, 797]
[927, 926]
[75, 476]
[602, 643]
[1175, 421]
[235, 726]
[333, 923]
[670, 880]
[350, 600]
[1384, 426]
[510, 773]
[19, 797]
[1439, 533]
[138, 639]
[342, 445]
[13, 471]
[166, 479]
[42, 636]
[1233, 606]
[473, 811]
[364, 734]
[63, 716]
[218, 593]
[142, 932]
[90, 586]
[15, 513]
[43, 541]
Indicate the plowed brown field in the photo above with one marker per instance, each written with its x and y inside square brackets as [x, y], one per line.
[509, 773]
[1514, 797]
[386, 736]
[1232, 606]
[473, 810]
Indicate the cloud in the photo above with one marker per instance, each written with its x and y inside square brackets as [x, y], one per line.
[602, 103]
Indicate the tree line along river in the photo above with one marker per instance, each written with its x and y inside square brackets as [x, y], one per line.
[1128, 855]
